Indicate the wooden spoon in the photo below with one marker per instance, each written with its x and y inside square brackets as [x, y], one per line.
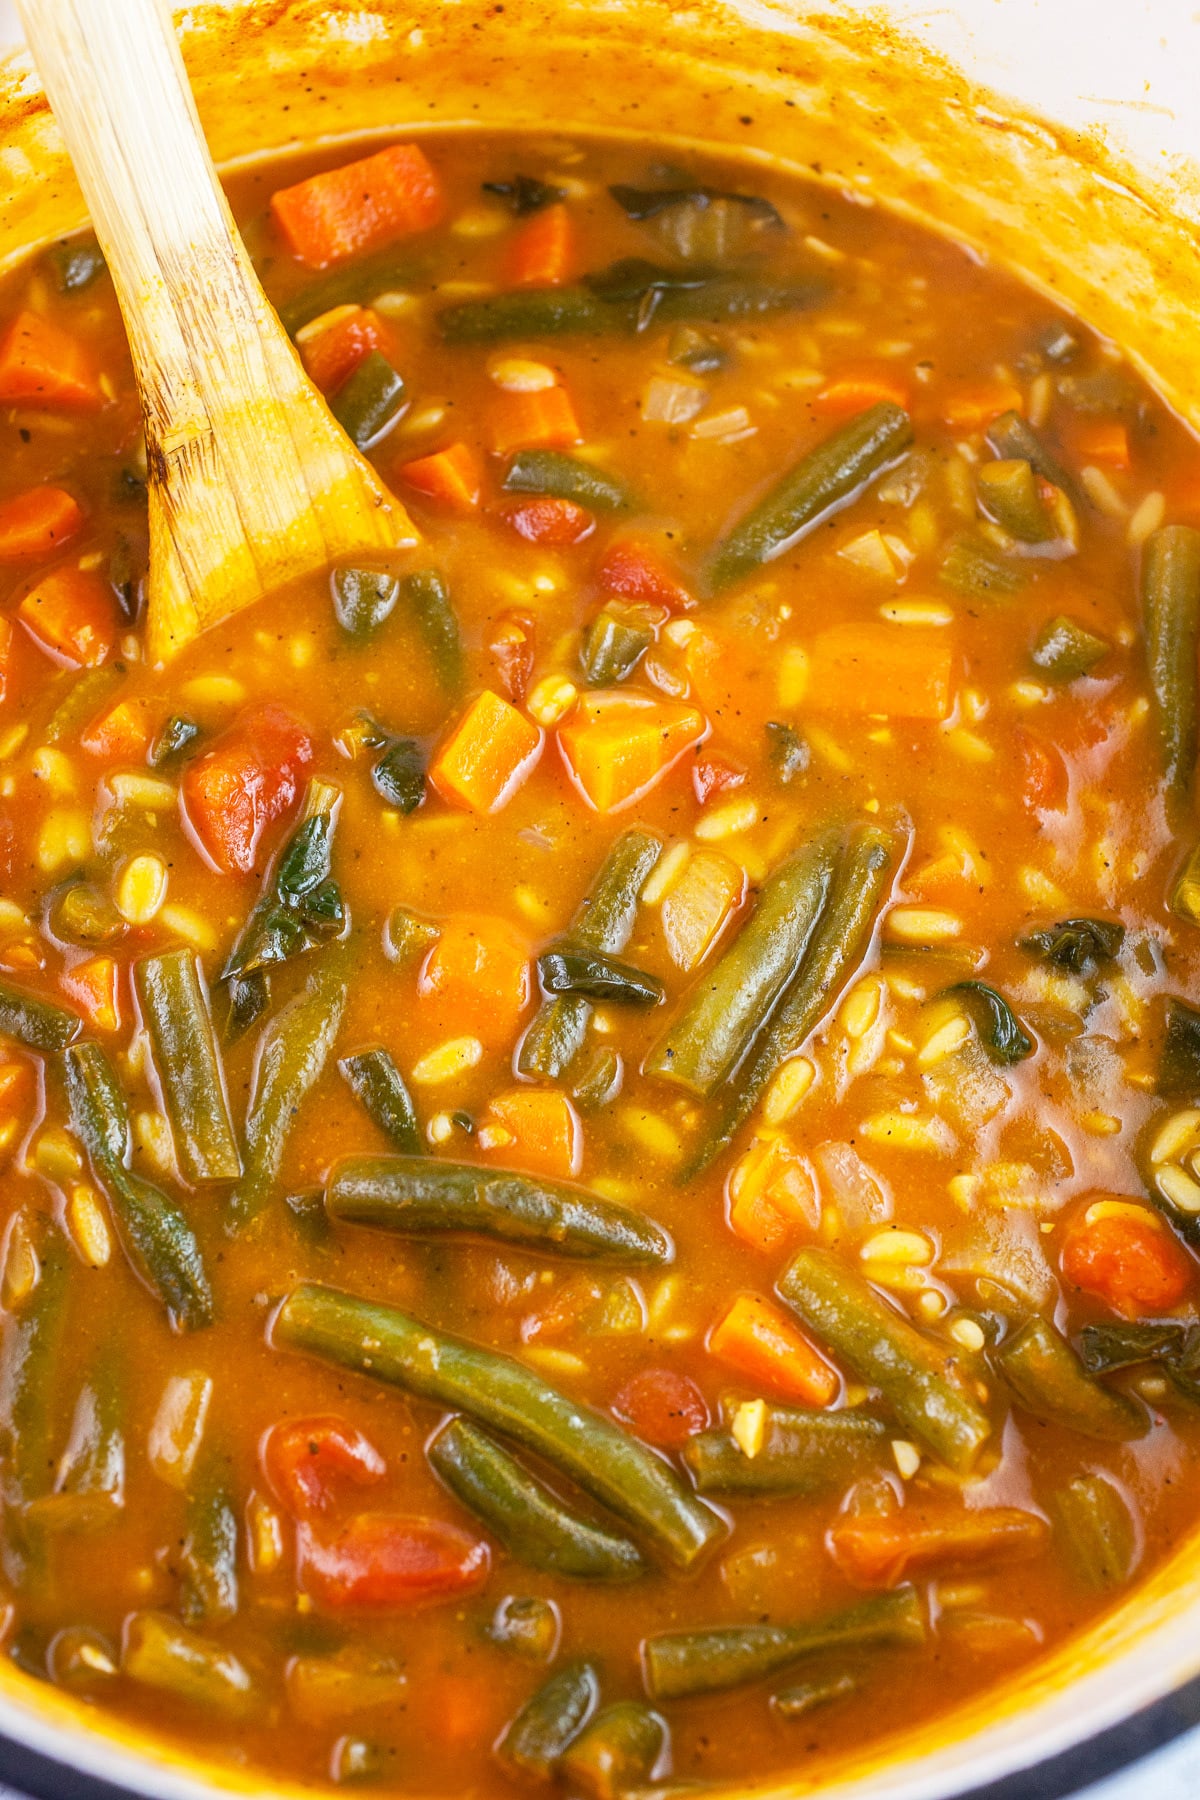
[252, 482]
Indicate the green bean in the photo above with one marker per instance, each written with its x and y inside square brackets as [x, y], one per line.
[597, 1078]
[174, 1009]
[428, 599]
[614, 303]
[798, 1701]
[1008, 493]
[614, 642]
[532, 1523]
[1171, 622]
[567, 477]
[80, 914]
[175, 736]
[731, 1001]
[1065, 650]
[918, 1377]
[975, 572]
[392, 1347]
[1179, 1062]
[679, 1663]
[802, 1452]
[550, 1719]
[90, 1485]
[1050, 1382]
[34, 1022]
[420, 1195]
[528, 313]
[374, 1079]
[209, 1573]
[597, 977]
[623, 1747]
[82, 701]
[1099, 1532]
[826, 479]
[162, 1654]
[363, 599]
[154, 1232]
[409, 935]
[293, 1053]
[998, 1028]
[1079, 945]
[31, 1355]
[356, 285]
[369, 400]
[526, 1625]
[838, 946]
[1010, 437]
[604, 922]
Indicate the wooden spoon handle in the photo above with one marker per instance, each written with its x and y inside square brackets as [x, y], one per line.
[251, 481]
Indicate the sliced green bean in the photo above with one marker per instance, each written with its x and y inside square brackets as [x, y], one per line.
[973, 570]
[1098, 1529]
[826, 479]
[291, 1058]
[1171, 622]
[604, 923]
[614, 643]
[919, 1378]
[392, 1347]
[597, 977]
[678, 1663]
[421, 1196]
[162, 1654]
[209, 1576]
[363, 599]
[357, 284]
[528, 1626]
[731, 1001]
[369, 400]
[90, 1485]
[1050, 1382]
[802, 1452]
[428, 599]
[154, 1232]
[528, 313]
[35, 1022]
[567, 477]
[374, 1079]
[838, 946]
[174, 1008]
[1065, 650]
[1008, 493]
[550, 1719]
[532, 1523]
[623, 1747]
[615, 303]
[80, 914]
[1010, 437]
[31, 1354]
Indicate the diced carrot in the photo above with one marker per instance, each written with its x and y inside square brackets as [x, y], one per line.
[758, 1340]
[880, 1549]
[1045, 782]
[633, 572]
[712, 775]
[360, 207]
[973, 408]
[1122, 1252]
[542, 420]
[735, 684]
[43, 366]
[306, 1461]
[663, 1407]
[451, 475]
[1102, 441]
[772, 1194]
[37, 523]
[489, 753]
[71, 613]
[539, 1131]
[94, 987]
[547, 520]
[543, 250]
[6, 650]
[245, 781]
[123, 733]
[618, 746]
[332, 354]
[388, 1560]
[512, 650]
[478, 975]
[875, 667]
[854, 390]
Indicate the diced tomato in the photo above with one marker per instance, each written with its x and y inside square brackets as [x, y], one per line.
[541, 420]
[1043, 771]
[72, 614]
[123, 733]
[618, 746]
[389, 1560]
[451, 476]
[307, 1461]
[363, 206]
[712, 775]
[539, 1130]
[94, 986]
[513, 648]
[542, 251]
[491, 752]
[663, 1407]
[37, 523]
[633, 572]
[545, 520]
[332, 354]
[1123, 1253]
[248, 779]
[478, 973]
[43, 366]
[855, 389]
